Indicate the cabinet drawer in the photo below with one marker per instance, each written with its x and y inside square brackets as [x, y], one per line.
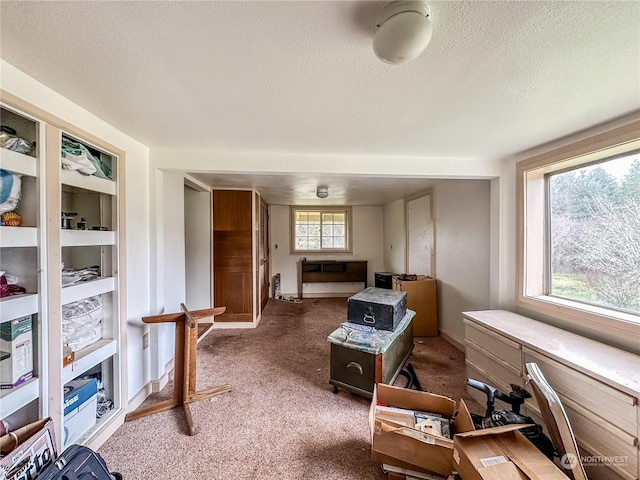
[501, 347]
[353, 367]
[596, 436]
[493, 366]
[613, 405]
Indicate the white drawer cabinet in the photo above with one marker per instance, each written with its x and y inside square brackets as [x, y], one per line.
[599, 385]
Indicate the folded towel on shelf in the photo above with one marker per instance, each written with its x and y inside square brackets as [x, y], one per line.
[75, 156]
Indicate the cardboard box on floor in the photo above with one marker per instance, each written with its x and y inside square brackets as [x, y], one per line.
[501, 453]
[405, 447]
[27, 451]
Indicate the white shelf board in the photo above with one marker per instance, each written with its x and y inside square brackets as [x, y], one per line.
[90, 182]
[80, 238]
[17, 306]
[73, 293]
[18, 236]
[18, 162]
[13, 399]
[89, 357]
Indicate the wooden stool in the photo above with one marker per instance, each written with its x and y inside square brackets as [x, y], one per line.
[184, 381]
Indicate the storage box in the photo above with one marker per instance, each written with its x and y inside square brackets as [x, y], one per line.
[36, 449]
[421, 297]
[16, 352]
[80, 406]
[406, 447]
[377, 307]
[362, 358]
[501, 452]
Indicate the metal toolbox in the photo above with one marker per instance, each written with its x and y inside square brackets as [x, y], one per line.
[377, 307]
[360, 360]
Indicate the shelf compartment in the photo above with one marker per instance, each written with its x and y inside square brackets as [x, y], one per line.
[18, 236]
[18, 162]
[79, 238]
[13, 399]
[89, 357]
[17, 306]
[73, 293]
[90, 182]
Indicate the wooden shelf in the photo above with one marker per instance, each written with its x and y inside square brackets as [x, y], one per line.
[87, 182]
[80, 238]
[18, 162]
[18, 236]
[73, 293]
[17, 306]
[15, 398]
[89, 357]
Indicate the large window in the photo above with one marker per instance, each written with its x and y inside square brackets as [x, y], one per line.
[579, 231]
[325, 229]
[594, 233]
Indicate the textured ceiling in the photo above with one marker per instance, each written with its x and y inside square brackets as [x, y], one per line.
[301, 77]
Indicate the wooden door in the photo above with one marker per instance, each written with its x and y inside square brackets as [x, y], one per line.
[232, 255]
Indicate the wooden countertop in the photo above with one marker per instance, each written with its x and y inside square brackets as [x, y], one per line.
[612, 366]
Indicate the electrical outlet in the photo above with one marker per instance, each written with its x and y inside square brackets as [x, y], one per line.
[145, 341]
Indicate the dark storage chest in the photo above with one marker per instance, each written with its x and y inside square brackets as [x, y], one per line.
[377, 307]
[384, 279]
[359, 359]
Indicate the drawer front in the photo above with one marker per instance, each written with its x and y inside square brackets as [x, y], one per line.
[353, 367]
[613, 405]
[494, 367]
[595, 436]
[502, 347]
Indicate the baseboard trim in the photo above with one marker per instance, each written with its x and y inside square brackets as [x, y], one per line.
[159, 384]
[452, 340]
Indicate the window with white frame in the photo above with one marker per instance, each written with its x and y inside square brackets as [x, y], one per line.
[320, 229]
[579, 231]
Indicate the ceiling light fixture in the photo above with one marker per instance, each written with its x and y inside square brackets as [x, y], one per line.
[403, 31]
[322, 191]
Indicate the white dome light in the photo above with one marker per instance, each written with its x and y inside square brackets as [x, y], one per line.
[322, 191]
[403, 31]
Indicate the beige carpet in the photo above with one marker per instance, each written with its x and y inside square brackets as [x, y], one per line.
[281, 421]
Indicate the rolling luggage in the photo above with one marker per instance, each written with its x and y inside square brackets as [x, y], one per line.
[78, 462]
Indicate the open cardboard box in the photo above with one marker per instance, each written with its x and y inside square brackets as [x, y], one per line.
[395, 444]
[28, 450]
[501, 453]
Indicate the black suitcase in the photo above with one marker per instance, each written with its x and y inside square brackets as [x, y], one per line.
[78, 462]
[380, 308]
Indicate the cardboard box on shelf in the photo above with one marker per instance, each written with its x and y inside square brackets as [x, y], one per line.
[80, 405]
[395, 444]
[501, 453]
[27, 451]
[16, 347]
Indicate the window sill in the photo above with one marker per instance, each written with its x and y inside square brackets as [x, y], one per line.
[619, 324]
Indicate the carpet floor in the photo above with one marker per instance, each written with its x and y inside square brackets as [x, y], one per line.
[281, 420]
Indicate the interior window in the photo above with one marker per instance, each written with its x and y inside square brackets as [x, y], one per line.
[324, 229]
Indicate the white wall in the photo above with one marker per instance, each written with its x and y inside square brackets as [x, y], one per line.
[395, 245]
[367, 245]
[136, 172]
[197, 227]
[462, 219]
